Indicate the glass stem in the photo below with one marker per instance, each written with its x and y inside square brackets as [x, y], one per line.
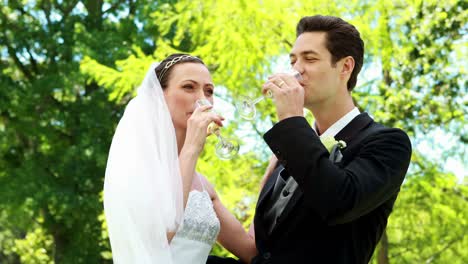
[218, 135]
[257, 100]
[221, 139]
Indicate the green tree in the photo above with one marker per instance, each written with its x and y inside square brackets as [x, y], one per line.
[417, 89]
[56, 127]
[430, 219]
[68, 68]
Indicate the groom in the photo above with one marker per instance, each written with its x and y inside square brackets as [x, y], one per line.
[324, 205]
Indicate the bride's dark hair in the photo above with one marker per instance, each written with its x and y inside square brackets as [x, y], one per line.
[164, 69]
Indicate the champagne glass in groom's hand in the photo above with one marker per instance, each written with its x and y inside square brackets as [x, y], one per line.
[245, 105]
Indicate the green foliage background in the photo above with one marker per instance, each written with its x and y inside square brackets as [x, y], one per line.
[68, 68]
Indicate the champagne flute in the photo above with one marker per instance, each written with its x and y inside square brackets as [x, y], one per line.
[245, 105]
[225, 148]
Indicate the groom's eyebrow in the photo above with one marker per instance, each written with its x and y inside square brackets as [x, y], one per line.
[304, 53]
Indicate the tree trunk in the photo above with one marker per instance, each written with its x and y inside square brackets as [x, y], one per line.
[60, 247]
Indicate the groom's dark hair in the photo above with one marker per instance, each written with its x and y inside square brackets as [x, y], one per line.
[164, 69]
[342, 39]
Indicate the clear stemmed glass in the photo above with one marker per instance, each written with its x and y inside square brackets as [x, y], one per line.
[245, 105]
[226, 148]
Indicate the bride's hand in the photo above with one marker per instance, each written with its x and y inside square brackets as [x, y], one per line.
[197, 126]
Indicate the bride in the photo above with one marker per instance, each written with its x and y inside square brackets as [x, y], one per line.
[158, 208]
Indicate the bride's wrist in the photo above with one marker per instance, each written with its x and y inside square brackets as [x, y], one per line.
[188, 151]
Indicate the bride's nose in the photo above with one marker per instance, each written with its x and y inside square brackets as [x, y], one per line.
[202, 100]
[201, 96]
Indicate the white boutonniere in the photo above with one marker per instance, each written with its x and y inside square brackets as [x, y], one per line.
[329, 142]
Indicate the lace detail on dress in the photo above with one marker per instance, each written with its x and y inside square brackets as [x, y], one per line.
[200, 220]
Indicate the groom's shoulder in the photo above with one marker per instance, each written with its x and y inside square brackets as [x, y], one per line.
[380, 132]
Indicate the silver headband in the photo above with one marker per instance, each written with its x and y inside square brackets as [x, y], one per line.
[172, 62]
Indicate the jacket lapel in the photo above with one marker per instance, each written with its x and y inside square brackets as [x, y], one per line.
[260, 229]
[269, 185]
[354, 127]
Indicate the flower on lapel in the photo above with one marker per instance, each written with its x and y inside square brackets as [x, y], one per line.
[329, 142]
[333, 146]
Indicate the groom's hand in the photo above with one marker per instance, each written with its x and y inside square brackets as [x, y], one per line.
[288, 95]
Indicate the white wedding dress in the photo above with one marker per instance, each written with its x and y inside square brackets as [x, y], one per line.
[198, 232]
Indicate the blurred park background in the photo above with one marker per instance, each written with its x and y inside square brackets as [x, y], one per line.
[69, 67]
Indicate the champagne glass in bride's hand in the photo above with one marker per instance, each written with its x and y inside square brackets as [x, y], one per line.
[245, 105]
[225, 148]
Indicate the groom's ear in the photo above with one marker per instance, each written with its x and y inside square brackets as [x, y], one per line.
[346, 65]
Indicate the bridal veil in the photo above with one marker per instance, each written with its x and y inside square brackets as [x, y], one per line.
[143, 188]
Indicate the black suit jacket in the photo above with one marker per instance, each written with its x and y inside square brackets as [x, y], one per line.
[340, 210]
